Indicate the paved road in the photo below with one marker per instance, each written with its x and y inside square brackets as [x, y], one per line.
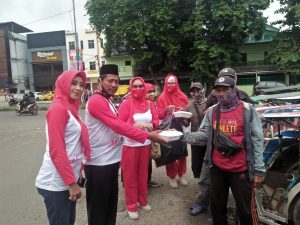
[22, 145]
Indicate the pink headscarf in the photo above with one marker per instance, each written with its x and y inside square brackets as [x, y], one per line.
[177, 98]
[62, 96]
[149, 87]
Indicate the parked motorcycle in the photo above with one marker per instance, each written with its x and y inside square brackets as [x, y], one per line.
[12, 101]
[31, 108]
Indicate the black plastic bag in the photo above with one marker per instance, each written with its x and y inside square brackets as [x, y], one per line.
[174, 149]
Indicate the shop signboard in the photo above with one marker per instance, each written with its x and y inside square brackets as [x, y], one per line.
[46, 56]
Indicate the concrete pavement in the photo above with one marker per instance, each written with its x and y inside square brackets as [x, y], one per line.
[22, 141]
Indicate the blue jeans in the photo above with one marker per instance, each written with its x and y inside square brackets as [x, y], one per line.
[60, 210]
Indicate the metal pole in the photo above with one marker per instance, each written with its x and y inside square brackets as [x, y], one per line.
[76, 38]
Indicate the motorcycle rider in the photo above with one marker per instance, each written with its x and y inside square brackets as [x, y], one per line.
[27, 100]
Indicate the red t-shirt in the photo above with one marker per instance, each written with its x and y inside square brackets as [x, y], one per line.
[231, 124]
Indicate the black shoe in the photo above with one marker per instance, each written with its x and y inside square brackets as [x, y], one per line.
[154, 184]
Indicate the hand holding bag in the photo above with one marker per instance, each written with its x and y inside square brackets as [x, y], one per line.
[155, 150]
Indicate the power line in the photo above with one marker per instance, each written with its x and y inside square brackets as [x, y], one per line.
[48, 17]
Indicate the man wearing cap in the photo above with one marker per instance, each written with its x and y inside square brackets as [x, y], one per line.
[212, 99]
[202, 200]
[197, 107]
[233, 134]
[106, 133]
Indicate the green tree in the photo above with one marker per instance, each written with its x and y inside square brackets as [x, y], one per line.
[151, 31]
[199, 36]
[220, 28]
[286, 53]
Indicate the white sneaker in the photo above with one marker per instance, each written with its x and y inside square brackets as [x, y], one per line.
[182, 181]
[173, 183]
[133, 215]
[146, 208]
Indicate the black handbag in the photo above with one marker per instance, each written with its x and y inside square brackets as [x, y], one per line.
[223, 143]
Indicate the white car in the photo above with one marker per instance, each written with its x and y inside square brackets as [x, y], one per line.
[38, 96]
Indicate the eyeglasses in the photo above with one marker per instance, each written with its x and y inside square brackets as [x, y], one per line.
[138, 86]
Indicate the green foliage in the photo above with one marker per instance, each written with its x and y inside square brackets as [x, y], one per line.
[220, 29]
[198, 36]
[286, 52]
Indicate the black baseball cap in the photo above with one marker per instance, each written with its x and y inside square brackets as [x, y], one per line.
[224, 81]
[227, 72]
[196, 85]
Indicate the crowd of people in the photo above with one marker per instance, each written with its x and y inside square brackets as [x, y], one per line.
[224, 132]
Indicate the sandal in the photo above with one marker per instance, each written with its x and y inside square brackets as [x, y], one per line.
[196, 209]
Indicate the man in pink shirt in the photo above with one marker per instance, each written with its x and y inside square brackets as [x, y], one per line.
[106, 133]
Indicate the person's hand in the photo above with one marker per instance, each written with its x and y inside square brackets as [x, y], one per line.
[179, 108]
[155, 137]
[184, 122]
[258, 180]
[75, 192]
[142, 126]
[149, 127]
[170, 108]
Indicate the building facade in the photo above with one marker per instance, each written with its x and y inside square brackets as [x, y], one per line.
[89, 57]
[255, 66]
[14, 70]
[47, 56]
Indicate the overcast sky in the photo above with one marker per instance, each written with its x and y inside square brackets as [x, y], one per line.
[33, 14]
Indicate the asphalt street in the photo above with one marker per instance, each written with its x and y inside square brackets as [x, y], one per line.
[22, 145]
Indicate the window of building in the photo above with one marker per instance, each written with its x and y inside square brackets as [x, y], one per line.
[267, 37]
[128, 63]
[81, 44]
[244, 58]
[92, 65]
[266, 55]
[101, 42]
[71, 45]
[91, 44]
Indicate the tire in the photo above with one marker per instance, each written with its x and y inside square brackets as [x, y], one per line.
[296, 212]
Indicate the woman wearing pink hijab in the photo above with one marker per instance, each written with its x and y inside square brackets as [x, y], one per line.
[142, 114]
[173, 99]
[67, 146]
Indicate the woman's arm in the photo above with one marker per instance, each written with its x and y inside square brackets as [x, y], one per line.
[57, 118]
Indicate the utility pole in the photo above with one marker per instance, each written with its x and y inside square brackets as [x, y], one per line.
[76, 38]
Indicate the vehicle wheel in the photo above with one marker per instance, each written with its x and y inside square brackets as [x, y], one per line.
[296, 212]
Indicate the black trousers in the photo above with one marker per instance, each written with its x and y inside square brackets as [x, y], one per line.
[198, 153]
[102, 194]
[241, 188]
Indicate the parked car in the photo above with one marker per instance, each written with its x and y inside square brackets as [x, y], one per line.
[259, 87]
[38, 96]
[48, 95]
